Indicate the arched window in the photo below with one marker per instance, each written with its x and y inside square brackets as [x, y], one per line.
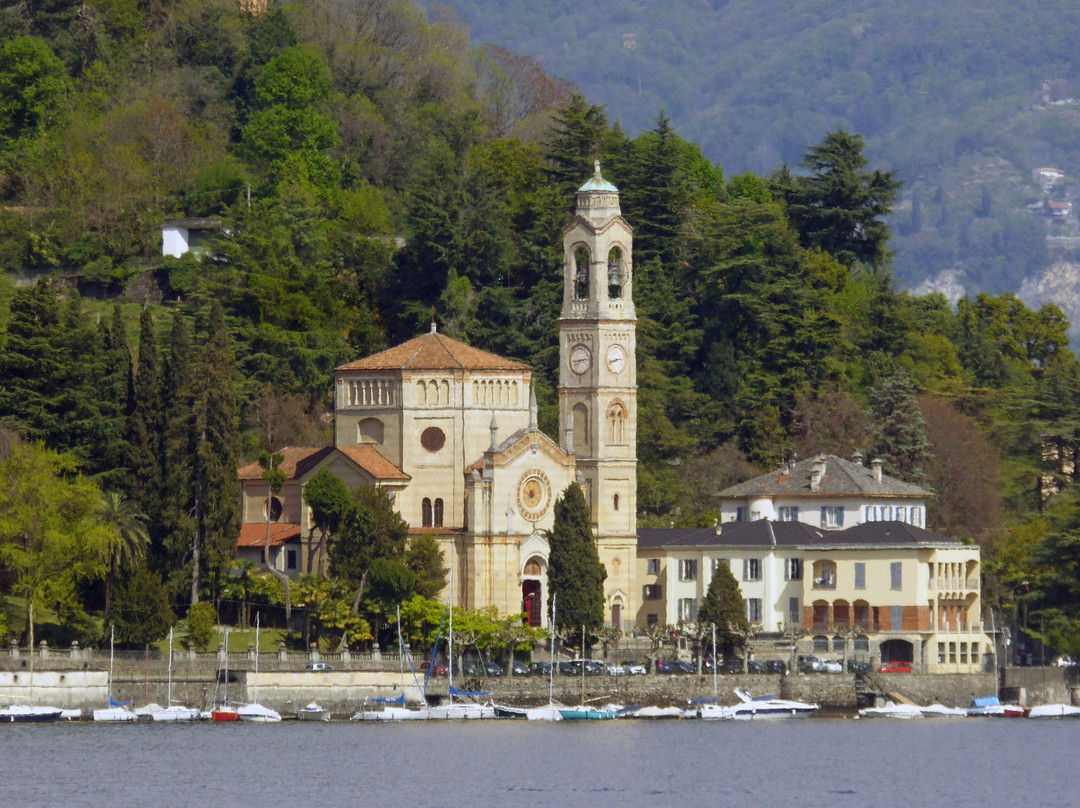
[421, 393]
[370, 431]
[616, 418]
[275, 509]
[581, 429]
[581, 274]
[615, 275]
[426, 512]
[438, 513]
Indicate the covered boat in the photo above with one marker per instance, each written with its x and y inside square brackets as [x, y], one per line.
[991, 706]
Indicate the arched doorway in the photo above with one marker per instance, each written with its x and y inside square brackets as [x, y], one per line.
[897, 651]
[532, 591]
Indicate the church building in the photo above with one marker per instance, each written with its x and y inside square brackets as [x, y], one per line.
[451, 432]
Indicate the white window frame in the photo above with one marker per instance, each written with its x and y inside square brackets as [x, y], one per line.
[753, 610]
[687, 569]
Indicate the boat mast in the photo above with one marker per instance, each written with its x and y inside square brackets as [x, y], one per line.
[714, 665]
[112, 635]
[169, 704]
[551, 667]
[30, 620]
[256, 657]
[583, 664]
[226, 667]
[450, 639]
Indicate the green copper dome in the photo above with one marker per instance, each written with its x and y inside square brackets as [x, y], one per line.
[598, 183]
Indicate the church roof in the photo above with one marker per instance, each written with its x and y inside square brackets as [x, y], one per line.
[434, 351]
[840, 478]
[298, 461]
[253, 534]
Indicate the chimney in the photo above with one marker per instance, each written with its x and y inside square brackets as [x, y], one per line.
[716, 526]
[875, 469]
[857, 458]
[816, 473]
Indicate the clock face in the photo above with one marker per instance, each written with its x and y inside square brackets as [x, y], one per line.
[534, 495]
[616, 358]
[580, 359]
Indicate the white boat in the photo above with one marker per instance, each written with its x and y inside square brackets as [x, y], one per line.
[116, 712]
[1054, 711]
[549, 712]
[891, 710]
[768, 707]
[27, 714]
[656, 712]
[313, 712]
[990, 706]
[224, 712]
[941, 711]
[391, 713]
[71, 715]
[256, 713]
[174, 712]
[709, 712]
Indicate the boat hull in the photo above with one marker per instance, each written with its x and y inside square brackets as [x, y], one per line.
[175, 714]
[115, 715]
[392, 714]
[29, 715]
[224, 716]
[587, 714]
[461, 712]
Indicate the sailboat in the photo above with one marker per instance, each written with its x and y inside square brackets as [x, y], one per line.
[584, 712]
[174, 712]
[224, 711]
[549, 712]
[714, 711]
[256, 712]
[461, 710]
[116, 711]
[395, 709]
[29, 713]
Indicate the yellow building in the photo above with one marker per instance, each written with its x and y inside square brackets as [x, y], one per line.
[452, 432]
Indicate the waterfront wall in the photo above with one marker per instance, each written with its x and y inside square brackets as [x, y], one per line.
[1032, 686]
[67, 689]
[950, 689]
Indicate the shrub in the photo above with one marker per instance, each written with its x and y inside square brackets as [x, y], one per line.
[201, 619]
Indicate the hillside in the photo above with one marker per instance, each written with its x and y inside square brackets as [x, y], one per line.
[964, 101]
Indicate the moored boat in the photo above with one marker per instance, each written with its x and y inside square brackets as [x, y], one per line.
[312, 712]
[27, 714]
[583, 712]
[768, 707]
[1054, 711]
[991, 707]
[506, 711]
[891, 710]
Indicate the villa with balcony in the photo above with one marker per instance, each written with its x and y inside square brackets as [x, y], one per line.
[879, 591]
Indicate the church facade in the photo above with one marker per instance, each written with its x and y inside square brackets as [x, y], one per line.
[451, 432]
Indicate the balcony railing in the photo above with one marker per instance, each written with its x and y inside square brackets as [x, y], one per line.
[824, 583]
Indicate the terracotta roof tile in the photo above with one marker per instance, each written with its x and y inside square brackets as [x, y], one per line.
[434, 351]
[253, 534]
[298, 461]
[373, 463]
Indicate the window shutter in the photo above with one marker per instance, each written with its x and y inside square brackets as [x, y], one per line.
[745, 569]
[860, 575]
[824, 518]
[840, 516]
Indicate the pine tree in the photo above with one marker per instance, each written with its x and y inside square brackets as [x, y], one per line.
[115, 378]
[723, 607]
[30, 363]
[899, 428]
[575, 573]
[143, 481]
[579, 128]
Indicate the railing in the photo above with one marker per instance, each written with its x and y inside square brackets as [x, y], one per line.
[955, 584]
[824, 583]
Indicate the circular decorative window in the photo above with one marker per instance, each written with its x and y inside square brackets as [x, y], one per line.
[275, 509]
[432, 439]
[534, 495]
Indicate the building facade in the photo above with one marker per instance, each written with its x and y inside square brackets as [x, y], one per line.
[452, 432]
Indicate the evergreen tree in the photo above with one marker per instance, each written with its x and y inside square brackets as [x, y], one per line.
[578, 130]
[723, 607]
[143, 611]
[115, 380]
[899, 428]
[217, 444]
[840, 208]
[31, 361]
[575, 573]
[175, 522]
[143, 441]
[425, 559]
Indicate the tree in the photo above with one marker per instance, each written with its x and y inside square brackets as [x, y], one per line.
[424, 557]
[840, 208]
[899, 428]
[330, 502]
[143, 483]
[143, 609]
[723, 607]
[274, 478]
[128, 550]
[51, 538]
[33, 88]
[575, 573]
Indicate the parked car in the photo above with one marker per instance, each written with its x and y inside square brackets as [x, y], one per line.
[856, 666]
[831, 666]
[616, 670]
[493, 669]
[636, 668]
[520, 669]
[895, 667]
[567, 669]
[682, 666]
[664, 666]
[540, 669]
[472, 669]
[733, 665]
[754, 666]
[438, 670]
[776, 666]
[808, 663]
[318, 667]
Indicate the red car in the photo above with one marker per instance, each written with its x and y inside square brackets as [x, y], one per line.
[895, 667]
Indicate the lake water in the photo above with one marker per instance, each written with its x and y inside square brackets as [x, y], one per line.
[691, 764]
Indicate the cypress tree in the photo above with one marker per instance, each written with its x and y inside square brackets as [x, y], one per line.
[575, 573]
[30, 362]
[578, 130]
[114, 389]
[217, 488]
[144, 429]
[899, 428]
[723, 607]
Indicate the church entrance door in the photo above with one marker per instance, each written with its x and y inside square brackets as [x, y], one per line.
[531, 605]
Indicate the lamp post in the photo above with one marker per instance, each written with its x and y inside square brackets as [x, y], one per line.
[1016, 615]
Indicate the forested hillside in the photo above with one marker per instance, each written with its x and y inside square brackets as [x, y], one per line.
[372, 171]
[964, 100]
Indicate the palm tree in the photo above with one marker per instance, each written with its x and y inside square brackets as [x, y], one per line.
[128, 548]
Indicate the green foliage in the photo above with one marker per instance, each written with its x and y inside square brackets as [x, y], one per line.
[201, 620]
[424, 557]
[900, 429]
[33, 88]
[143, 608]
[723, 607]
[575, 574]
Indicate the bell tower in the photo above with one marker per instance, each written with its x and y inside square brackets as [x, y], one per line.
[598, 379]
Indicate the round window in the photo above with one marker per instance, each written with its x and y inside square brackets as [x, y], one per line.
[432, 439]
[275, 509]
